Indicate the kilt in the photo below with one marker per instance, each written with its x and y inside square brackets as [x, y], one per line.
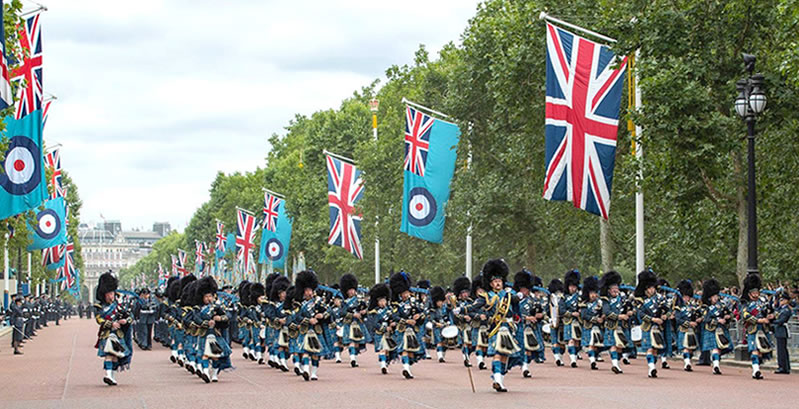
[345, 339]
[646, 341]
[751, 345]
[609, 337]
[709, 341]
[567, 332]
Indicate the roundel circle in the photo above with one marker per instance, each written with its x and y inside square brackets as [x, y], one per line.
[422, 207]
[22, 166]
[274, 249]
[48, 225]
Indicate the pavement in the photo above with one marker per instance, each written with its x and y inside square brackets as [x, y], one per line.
[60, 369]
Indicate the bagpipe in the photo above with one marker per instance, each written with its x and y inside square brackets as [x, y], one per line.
[331, 290]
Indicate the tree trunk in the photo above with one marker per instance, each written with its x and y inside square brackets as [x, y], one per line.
[529, 257]
[606, 245]
[741, 209]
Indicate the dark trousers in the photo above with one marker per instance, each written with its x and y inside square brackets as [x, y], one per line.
[148, 334]
[783, 360]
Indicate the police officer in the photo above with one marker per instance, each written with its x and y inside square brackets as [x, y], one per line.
[17, 318]
[147, 311]
[783, 314]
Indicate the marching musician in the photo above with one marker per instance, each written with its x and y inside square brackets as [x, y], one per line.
[528, 318]
[614, 315]
[380, 311]
[267, 308]
[113, 343]
[213, 322]
[462, 289]
[354, 311]
[556, 303]
[757, 316]
[258, 332]
[175, 337]
[592, 319]
[716, 335]
[278, 295]
[651, 316]
[570, 314]
[540, 306]
[668, 324]
[309, 317]
[409, 316]
[245, 321]
[687, 318]
[479, 320]
[187, 322]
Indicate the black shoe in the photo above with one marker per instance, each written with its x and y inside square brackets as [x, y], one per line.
[558, 363]
[190, 369]
[180, 362]
[173, 359]
[205, 378]
[261, 361]
[781, 372]
[481, 366]
[499, 388]
[271, 363]
[574, 365]
[653, 373]
[354, 364]
[594, 367]
[703, 364]
[284, 369]
[108, 381]
[688, 368]
[407, 374]
[466, 363]
[664, 365]
[716, 370]
[244, 355]
[616, 370]
[384, 371]
[758, 375]
[18, 352]
[296, 371]
[526, 373]
[306, 376]
[441, 360]
[625, 361]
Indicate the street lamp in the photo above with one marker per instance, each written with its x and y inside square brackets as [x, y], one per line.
[750, 102]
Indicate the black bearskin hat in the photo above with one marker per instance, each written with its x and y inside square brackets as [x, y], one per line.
[751, 282]
[306, 279]
[291, 298]
[188, 297]
[377, 292]
[281, 283]
[185, 281]
[207, 285]
[608, 280]
[590, 285]
[537, 281]
[710, 288]
[399, 283]
[346, 282]
[105, 284]
[523, 279]
[256, 290]
[423, 284]
[662, 282]
[646, 279]
[493, 269]
[572, 277]
[477, 283]
[244, 292]
[437, 294]
[686, 288]
[171, 280]
[241, 286]
[268, 282]
[173, 291]
[555, 286]
[460, 285]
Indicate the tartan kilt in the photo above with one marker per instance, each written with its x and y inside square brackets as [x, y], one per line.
[646, 340]
[709, 341]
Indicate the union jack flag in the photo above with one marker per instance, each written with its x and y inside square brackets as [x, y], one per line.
[245, 236]
[271, 207]
[199, 253]
[417, 140]
[52, 255]
[181, 263]
[344, 190]
[70, 272]
[46, 111]
[174, 265]
[220, 237]
[29, 70]
[53, 159]
[6, 97]
[583, 96]
[162, 275]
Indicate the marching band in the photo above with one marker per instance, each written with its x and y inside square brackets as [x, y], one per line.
[507, 322]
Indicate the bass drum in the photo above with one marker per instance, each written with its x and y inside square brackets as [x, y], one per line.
[636, 334]
[546, 329]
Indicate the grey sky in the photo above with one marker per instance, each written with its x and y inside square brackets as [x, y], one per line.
[155, 97]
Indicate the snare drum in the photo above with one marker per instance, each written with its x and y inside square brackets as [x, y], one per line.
[449, 334]
[636, 334]
[546, 329]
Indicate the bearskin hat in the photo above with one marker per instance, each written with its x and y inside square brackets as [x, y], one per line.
[306, 279]
[173, 291]
[709, 289]
[646, 279]
[437, 294]
[347, 281]
[608, 280]
[291, 297]
[171, 280]
[187, 296]
[523, 279]
[268, 282]
[377, 292]
[281, 283]
[106, 283]
[244, 293]
[257, 290]
[590, 285]
[185, 281]
[207, 285]
[572, 277]
[423, 284]
[686, 288]
[460, 285]
[662, 282]
[555, 286]
[399, 283]
[477, 283]
[496, 268]
[751, 282]
[537, 281]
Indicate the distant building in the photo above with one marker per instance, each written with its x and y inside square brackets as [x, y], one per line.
[162, 228]
[112, 226]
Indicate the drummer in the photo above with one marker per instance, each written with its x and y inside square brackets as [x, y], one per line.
[440, 316]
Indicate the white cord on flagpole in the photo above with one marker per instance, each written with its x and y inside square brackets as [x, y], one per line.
[273, 193]
[40, 7]
[245, 211]
[424, 108]
[344, 158]
[545, 16]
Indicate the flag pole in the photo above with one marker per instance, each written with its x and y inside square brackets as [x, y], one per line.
[639, 189]
[273, 193]
[468, 216]
[547, 17]
[245, 211]
[424, 108]
[344, 158]
[374, 104]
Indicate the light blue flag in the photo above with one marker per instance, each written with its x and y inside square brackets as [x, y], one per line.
[60, 263]
[430, 153]
[230, 243]
[22, 180]
[50, 229]
[275, 244]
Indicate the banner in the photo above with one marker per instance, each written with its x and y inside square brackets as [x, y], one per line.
[22, 179]
[50, 229]
[276, 235]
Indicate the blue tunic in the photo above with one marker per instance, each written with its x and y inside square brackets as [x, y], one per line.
[712, 316]
[753, 311]
[649, 310]
[205, 316]
[570, 304]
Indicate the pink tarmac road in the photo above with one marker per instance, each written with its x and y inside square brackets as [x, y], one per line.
[60, 369]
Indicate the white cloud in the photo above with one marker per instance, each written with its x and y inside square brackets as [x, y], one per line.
[155, 97]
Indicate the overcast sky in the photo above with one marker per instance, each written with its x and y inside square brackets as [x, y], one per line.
[155, 97]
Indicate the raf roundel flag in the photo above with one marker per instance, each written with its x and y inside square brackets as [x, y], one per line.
[49, 229]
[22, 180]
[275, 244]
[429, 165]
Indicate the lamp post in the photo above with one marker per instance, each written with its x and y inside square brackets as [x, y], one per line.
[374, 104]
[750, 102]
